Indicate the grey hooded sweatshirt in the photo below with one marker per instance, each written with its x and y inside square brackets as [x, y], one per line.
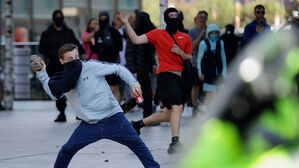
[92, 99]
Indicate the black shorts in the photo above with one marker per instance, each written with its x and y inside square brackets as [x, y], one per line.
[113, 80]
[170, 88]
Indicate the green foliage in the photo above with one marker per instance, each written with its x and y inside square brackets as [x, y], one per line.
[152, 7]
[189, 12]
[225, 9]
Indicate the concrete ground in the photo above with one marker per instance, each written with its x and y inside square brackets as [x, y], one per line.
[30, 139]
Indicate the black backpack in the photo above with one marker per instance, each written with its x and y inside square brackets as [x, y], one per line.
[211, 63]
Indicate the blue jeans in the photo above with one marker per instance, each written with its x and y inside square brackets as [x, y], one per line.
[116, 128]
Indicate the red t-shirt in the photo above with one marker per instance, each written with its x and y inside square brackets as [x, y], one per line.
[163, 43]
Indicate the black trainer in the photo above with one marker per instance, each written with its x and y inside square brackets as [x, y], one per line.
[134, 123]
[60, 118]
[174, 148]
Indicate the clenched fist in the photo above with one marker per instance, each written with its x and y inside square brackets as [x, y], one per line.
[37, 63]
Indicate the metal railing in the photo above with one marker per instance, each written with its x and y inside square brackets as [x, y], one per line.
[26, 85]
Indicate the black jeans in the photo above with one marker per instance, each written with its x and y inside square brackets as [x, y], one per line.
[61, 105]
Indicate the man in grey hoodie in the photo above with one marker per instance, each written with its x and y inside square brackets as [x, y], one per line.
[84, 84]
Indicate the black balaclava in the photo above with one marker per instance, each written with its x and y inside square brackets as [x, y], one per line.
[143, 23]
[58, 20]
[104, 23]
[229, 29]
[171, 23]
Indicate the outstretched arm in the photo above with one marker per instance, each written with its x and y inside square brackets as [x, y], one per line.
[44, 78]
[196, 41]
[142, 39]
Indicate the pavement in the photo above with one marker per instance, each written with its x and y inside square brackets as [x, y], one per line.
[30, 139]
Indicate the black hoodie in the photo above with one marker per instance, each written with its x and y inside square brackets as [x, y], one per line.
[50, 42]
[108, 41]
[140, 58]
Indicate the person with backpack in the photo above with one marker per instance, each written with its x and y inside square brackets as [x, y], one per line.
[211, 62]
[231, 42]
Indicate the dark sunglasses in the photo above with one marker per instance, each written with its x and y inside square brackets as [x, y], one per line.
[262, 12]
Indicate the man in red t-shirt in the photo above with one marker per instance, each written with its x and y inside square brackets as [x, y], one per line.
[171, 54]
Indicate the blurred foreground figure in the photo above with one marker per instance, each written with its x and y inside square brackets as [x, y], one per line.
[256, 121]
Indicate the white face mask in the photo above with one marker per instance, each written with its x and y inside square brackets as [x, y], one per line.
[213, 37]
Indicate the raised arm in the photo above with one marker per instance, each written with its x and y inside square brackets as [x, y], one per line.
[142, 39]
[85, 37]
[44, 78]
[198, 39]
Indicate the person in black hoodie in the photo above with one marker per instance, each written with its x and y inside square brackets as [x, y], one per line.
[187, 77]
[231, 42]
[51, 40]
[181, 26]
[141, 61]
[108, 43]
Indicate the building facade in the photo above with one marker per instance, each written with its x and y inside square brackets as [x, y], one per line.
[36, 15]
